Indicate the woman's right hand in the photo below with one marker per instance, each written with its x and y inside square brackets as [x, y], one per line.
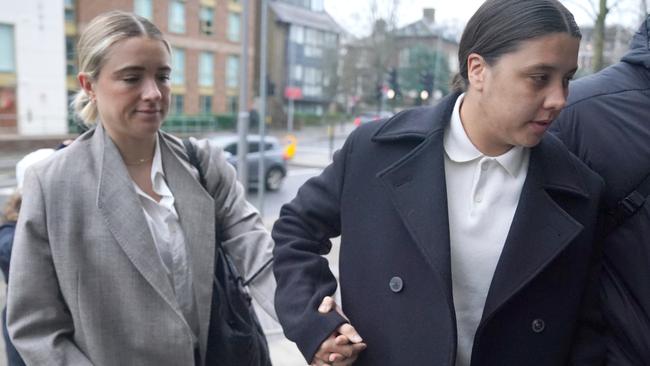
[343, 346]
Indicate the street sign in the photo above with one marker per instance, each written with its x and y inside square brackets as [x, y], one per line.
[292, 92]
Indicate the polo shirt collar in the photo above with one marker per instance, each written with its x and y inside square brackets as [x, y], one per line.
[460, 149]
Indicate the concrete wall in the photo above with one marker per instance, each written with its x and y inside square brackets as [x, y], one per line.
[40, 64]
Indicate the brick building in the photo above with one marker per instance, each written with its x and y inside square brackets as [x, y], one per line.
[206, 46]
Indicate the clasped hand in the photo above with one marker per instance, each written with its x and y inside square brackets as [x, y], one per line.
[343, 346]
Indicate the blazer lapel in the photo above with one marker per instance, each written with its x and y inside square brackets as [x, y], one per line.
[196, 210]
[540, 230]
[416, 186]
[118, 203]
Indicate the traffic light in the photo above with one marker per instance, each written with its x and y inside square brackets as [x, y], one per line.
[379, 92]
[393, 81]
[270, 87]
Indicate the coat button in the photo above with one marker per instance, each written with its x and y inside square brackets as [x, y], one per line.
[538, 325]
[396, 284]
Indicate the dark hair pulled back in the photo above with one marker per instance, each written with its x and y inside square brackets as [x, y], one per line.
[499, 26]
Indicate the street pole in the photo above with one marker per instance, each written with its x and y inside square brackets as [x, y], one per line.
[290, 111]
[261, 181]
[242, 117]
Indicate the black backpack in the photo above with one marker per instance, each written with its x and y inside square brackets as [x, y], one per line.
[235, 337]
[628, 206]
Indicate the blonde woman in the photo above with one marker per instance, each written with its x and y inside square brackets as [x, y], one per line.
[114, 249]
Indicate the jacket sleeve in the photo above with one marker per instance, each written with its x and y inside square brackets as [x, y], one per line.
[242, 230]
[302, 235]
[38, 319]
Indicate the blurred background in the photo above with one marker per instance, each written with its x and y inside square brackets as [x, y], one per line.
[292, 78]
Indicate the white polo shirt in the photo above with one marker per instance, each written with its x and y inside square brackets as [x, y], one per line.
[482, 195]
[167, 233]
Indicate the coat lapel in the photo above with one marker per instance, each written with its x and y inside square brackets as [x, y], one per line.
[118, 203]
[416, 185]
[196, 210]
[541, 229]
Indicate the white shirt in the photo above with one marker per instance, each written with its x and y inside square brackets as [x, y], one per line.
[482, 195]
[168, 237]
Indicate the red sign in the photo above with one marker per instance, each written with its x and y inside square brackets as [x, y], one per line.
[292, 92]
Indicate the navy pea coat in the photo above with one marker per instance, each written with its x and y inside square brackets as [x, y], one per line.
[385, 194]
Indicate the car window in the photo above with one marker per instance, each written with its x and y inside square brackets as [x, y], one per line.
[231, 148]
[253, 147]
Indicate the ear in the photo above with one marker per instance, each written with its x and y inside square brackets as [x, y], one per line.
[476, 71]
[86, 84]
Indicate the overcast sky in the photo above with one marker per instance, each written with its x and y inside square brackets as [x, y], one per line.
[353, 15]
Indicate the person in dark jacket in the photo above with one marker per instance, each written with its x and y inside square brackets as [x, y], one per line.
[606, 123]
[7, 230]
[467, 233]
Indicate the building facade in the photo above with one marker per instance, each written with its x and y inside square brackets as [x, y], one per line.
[392, 67]
[303, 44]
[205, 36]
[32, 70]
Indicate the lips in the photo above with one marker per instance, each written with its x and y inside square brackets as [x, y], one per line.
[540, 126]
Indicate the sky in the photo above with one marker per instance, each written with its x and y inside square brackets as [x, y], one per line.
[354, 16]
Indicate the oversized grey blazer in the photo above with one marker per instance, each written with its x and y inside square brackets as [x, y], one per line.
[87, 284]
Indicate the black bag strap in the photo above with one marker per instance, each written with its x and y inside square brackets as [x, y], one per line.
[190, 149]
[629, 205]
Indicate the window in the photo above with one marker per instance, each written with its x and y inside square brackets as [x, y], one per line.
[330, 39]
[231, 148]
[7, 48]
[71, 67]
[69, 11]
[206, 69]
[232, 72]
[313, 52]
[206, 16]
[178, 66]
[178, 104]
[313, 82]
[297, 72]
[176, 16]
[297, 34]
[206, 104]
[143, 8]
[234, 27]
[313, 37]
[317, 5]
[233, 106]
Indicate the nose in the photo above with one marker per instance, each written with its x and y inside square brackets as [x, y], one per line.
[150, 90]
[556, 98]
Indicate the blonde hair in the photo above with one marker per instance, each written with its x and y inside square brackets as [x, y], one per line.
[12, 208]
[96, 40]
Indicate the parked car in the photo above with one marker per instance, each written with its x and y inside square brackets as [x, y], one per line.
[275, 158]
[366, 117]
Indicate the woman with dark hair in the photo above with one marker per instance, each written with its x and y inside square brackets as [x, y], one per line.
[467, 232]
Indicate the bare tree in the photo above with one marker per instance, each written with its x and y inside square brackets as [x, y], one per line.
[598, 10]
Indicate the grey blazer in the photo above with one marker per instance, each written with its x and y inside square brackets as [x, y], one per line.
[87, 286]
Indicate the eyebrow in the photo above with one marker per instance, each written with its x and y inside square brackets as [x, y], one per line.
[546, 67]
[139, 68]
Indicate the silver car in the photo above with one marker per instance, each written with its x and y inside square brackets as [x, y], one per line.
[275, 159]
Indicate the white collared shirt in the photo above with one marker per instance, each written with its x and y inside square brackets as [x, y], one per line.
[482, 194]
[169, 239]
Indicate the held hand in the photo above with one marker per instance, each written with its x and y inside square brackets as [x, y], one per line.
[343, 346]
